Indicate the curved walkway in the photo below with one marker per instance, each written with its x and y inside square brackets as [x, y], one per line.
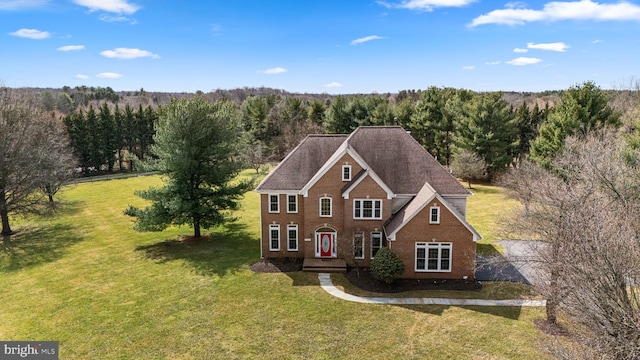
[327, 285]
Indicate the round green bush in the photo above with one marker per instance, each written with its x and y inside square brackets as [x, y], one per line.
[386, 266]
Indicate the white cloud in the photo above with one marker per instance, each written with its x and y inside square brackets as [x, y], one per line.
[273, 71]
[493, 62]
[425, 5]
[127, 53]
[81, 76]
[365, 39]
[21, 4]
[333, 85]
[561, 10]
[597, 41]
[556, 46]
[70, 48]
[468, 67]
[112, 6]
[522, 61]
[117, 18]
[520, 50]
[109, 75]
[31, 34]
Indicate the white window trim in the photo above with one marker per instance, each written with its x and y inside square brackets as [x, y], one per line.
[373, 209]
[295, 202]
[271, 228]
[343, 177]
[438, 217]
[271, 203]
[361, 244]
[330, 206]
[439, 246]
[376, 234]
[289, 228]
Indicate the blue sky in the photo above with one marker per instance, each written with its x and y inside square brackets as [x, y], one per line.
[333, 46]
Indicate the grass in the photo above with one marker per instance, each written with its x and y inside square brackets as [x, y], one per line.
[87, 280]
[484, 211]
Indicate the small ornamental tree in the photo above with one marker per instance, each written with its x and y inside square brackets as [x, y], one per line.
[386, 265]
[468, 166]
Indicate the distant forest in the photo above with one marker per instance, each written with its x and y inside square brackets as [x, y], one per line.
[109, 131]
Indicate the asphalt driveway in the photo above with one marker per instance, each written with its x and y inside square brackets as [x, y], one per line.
[518, 264]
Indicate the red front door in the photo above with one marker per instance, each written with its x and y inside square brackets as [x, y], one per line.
[326, 244]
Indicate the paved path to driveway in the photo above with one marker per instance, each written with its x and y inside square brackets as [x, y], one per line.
[327, 285]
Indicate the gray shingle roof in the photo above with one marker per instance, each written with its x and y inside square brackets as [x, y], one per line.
[400, 161]
[295, 171]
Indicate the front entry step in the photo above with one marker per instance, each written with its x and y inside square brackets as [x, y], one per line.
[324, 265]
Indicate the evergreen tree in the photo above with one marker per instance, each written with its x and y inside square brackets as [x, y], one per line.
[487, 129]
[196, 145]
[583, 109]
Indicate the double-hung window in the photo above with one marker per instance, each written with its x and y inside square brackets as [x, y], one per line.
[367, 209]
[274, 237]
[274, 203]
[292, 203]
[346, 172]
[292, 237]
[325, 207]
[376, 243]
[433, 257]
[434, 215]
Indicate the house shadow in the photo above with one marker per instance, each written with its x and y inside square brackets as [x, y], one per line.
[32, 247]
[499, 268]
[508, 312]
[227, 249]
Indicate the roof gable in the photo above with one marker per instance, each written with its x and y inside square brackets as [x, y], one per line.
[415, 206]
[361, 176]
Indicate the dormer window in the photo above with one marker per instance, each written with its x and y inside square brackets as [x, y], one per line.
[346, 172]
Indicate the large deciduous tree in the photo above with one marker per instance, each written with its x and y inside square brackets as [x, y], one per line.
[33, 155]
[196, 145]
[585, 211]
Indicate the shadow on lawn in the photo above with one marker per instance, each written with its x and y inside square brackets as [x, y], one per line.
[228, 248]
[509, 312]
[31, 247]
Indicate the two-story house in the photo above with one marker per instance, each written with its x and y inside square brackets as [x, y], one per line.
[347, 196]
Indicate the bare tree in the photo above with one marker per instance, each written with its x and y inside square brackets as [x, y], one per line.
[468, 166]
[58, 170]
[28, 146]
[586, 212]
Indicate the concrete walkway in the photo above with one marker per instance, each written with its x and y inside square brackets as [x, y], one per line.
[327, 285]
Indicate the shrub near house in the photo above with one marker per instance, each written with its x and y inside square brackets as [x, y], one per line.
[348, 196]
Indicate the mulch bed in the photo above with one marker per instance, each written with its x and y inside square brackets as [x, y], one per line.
[363, 279]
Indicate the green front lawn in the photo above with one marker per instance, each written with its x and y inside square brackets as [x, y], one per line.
[86, 279]
[485, 209]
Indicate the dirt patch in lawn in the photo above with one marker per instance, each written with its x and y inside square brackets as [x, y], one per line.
[363, 279]
[276, 266]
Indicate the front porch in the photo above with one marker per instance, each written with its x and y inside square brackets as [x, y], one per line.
[324, 265]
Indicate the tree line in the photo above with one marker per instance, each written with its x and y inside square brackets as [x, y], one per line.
[454, 125]
[110, 137]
